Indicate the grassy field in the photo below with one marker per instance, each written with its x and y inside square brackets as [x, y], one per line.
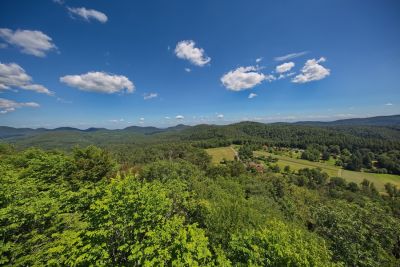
[295, 164]
[220, 153]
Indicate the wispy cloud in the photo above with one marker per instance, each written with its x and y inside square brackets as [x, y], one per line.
[252, 95]
[179, 117]
[188, 70]
[99, 82]
[117, 120]
[258, 60]
[34, 43]
[88, 14]
[13, 75]
[389, 104]
[7, 105]
[290, 56]
[187, 50]
[148, 96]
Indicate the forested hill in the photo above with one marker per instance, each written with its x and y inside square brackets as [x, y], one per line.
[393, 120]
[376, 138]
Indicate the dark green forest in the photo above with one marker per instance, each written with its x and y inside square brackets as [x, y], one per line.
[151, 197]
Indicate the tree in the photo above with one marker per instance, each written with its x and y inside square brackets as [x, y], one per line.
[92, 164]
[355, 163]
[311, 154]
[351, 231]
[134, 224]
[279, 244]
[245, 152]
[392, 190]
[286, 169]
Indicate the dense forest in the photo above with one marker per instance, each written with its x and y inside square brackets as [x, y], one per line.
[145, 197]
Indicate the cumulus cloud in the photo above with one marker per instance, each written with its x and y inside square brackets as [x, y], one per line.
[220, 116]
[285, 67]
[252, 95]
[290, 56]
[14, 76]
[312, 71]
[88, 14]
[150, 96]
[179, 117]
[187, 50]
[30, 42]
[7, 105]
[99, 82]
[244, 78]
[258, 60]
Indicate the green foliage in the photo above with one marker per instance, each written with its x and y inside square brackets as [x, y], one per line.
[91, 164]
[168, 206]
[245, 152]
[354, 233]
[312, 178]
[278, 244]
[311, 154]
[134, 224]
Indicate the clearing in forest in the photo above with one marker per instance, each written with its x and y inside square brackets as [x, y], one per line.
[351, 176]
[219, 153]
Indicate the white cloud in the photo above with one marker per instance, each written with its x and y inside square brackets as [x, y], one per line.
[31, 42]
[62, 100]
[13, 75]
[244, 78]
[388, 104]
[283, 75]
[117, 121]
[7, 105]
[99, 82]
[252, 95]
[37, 88]
[187, 50]
[167, 118]
[220, 116]
[258, 60]
[312, 71]
[179, 117]
[150, 96]
[285, 67]
[188, 70]
[88, 14]
[290, 56]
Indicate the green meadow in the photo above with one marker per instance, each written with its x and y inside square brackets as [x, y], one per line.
[352, 176]
[219, 153]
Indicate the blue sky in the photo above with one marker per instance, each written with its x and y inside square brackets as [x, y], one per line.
[93, 63]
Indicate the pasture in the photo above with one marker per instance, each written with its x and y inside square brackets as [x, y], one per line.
[351, 176]
[220, 153]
